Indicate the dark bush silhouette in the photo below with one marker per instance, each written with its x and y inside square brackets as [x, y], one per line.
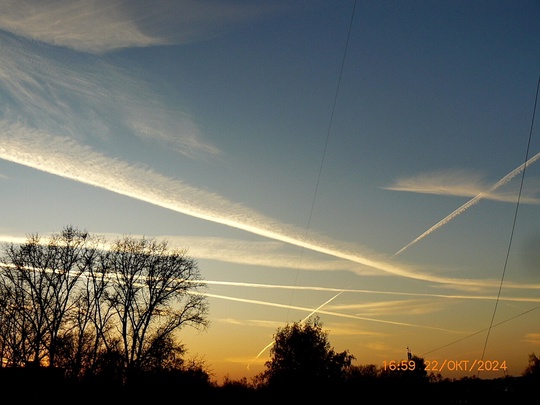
[533, 368]
[302, 359]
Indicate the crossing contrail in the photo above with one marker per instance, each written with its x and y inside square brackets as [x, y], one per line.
[471, 202]
[461, 209]
[302, 321]
[312, 311]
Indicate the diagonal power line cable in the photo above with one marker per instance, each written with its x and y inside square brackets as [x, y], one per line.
[338, 86]
[514, 221]
[321, 168]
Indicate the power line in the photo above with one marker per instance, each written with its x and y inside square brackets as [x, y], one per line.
[514, 220]
[483, 330]
[327, 135]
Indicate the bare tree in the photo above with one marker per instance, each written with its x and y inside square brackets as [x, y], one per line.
[15, 327]
[72, 301]
[39, 277]
[85, 333]
[153, 295]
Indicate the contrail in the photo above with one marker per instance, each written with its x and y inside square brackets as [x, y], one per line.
[248, 247]
[311, 311]
[69, 159]
[471, 202]
[302, 321]
[338, 290]
[363, 291]
[318, 309]
[465, 206]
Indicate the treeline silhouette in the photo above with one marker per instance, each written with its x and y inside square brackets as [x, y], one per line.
[85, 319]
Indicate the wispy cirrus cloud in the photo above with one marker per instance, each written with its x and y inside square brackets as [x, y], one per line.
[268, 254]
[332, 313]
[89, 99]
[533, 338]
[98, 26]
[252, 322]
[350, 329]
[485, 192]
[394, 307]
[458, 183]
[91, 26]
[381, 347]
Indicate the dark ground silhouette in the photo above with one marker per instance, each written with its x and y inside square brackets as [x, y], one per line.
[42, 383]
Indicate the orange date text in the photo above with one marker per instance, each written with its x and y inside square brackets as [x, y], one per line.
[465, 365]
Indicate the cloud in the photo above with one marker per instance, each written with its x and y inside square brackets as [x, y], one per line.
[88, 99]
[306, 309]
[246, 359]
[533, 338]
[252, 322]
[483, 193]
[220, 249]
[12, 239]
[90, 26]
[349, 329]
[268, 254]
[380, 347]
[99, 26]
[395, 307]
[457, 183]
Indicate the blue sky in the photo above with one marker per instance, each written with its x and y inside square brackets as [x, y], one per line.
[297, 150]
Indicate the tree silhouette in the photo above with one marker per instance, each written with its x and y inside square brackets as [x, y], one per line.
[38, 281]
[532, 371]
[150, 297]
[75, 302]
[302, 357]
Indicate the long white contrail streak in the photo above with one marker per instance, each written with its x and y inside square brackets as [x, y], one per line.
[363, 291]
[69, 159]
[340, 291]
[306, 309]
[471, 202]
[318, 309]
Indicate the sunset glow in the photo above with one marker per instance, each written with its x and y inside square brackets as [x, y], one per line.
[371, 163]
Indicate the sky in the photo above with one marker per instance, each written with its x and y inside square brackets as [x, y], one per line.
[373, 163]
